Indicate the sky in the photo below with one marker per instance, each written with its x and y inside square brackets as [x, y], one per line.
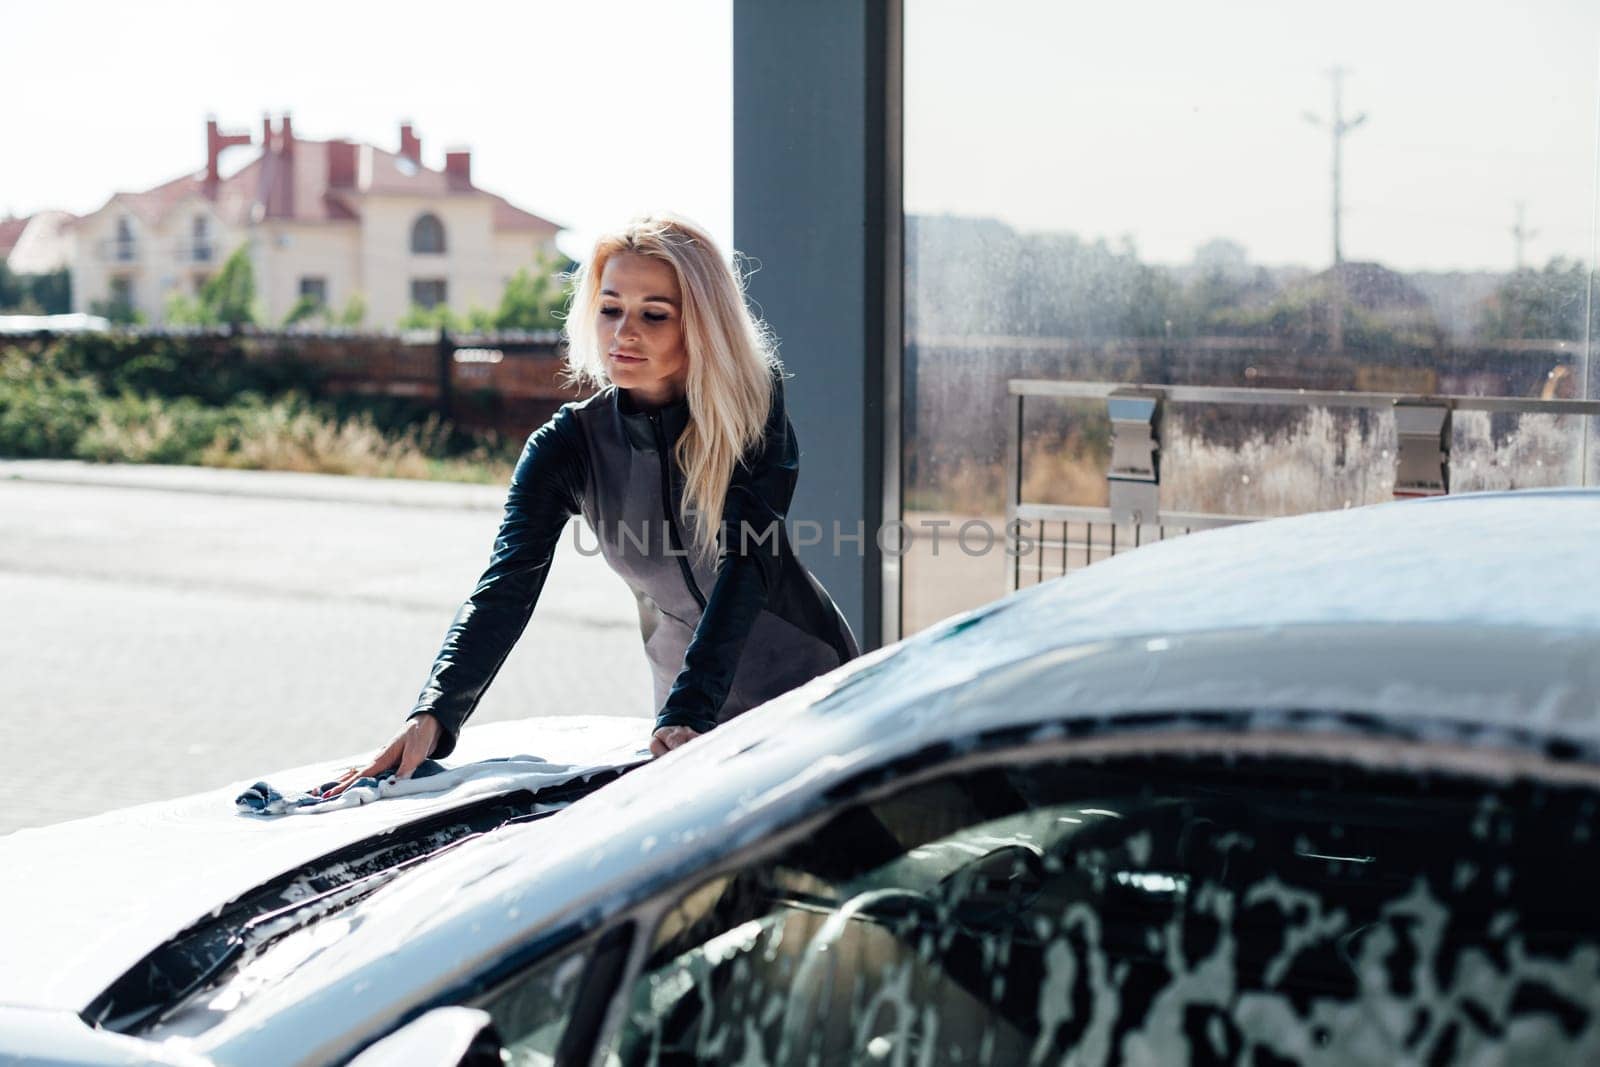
[1165, 120]
[1177, 122]
[585, 113]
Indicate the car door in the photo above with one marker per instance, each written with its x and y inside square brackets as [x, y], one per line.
[1030, 905]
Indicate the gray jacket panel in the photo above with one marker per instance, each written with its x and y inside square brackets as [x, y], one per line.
[721, 635]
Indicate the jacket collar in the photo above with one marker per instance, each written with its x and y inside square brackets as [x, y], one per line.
[639, 424]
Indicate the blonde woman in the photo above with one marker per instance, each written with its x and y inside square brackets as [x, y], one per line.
[683, 464]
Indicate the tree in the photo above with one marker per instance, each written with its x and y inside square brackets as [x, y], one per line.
[11, 288]
[53, 291]
[1542, 305]
[306, 308]
[35, 294]
[533, 299]
[182, 309]
[438, 317]
[353, 313]
[118, 312]
[228, 298]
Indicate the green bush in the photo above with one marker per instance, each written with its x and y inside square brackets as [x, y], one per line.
[139, 429]
[43, 415]
[75, 400]
[212, 370]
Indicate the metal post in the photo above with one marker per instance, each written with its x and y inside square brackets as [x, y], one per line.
[1133, 482]
[1422, 460]
[1013, 489]
[447, 359]
[817, 203]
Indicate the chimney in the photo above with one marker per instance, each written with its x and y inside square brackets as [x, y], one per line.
[266, 133]
[410, 144]
[458, 169]
[216, 141]
[341, 165]
[280, 201]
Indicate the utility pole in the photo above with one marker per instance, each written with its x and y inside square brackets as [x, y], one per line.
[1338, 126]
[1521, 234]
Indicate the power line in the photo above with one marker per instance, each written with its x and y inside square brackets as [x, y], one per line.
[1520, 233]
[1338, 126]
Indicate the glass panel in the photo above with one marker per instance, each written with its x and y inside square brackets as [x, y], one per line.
[532, 1010]
[427, 235]
[1146, 911]
[428, 292]
[1266, 198]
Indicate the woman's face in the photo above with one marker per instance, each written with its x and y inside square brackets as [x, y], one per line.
[640, 328]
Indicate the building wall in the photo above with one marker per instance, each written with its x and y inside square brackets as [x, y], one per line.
[513, 251]
[285, 252]
[468, 265]
[371, 257]
[164, 257]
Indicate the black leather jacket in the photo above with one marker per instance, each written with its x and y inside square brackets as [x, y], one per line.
[722, 634]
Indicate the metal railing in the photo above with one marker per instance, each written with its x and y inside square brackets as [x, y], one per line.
[194, 252]
[117, 250]
[1133, 516]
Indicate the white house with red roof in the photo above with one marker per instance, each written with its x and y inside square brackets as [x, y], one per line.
[327, 219]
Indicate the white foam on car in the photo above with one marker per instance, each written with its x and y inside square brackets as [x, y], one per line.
[85, 900]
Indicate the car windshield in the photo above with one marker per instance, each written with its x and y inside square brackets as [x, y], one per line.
[1146, 911]
[189, 984]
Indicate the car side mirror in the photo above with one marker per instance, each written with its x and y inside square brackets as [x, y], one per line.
[444, 1037]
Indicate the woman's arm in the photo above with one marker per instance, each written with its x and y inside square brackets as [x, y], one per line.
[747, 569]
[546, 491]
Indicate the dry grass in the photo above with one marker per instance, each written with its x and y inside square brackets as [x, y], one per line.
[283, 438]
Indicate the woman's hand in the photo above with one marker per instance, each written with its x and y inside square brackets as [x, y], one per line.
[668, 738]
[406, 751]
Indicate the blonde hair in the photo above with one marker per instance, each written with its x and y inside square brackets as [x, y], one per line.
[731, 357]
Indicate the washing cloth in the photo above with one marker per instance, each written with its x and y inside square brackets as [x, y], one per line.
[484, 777]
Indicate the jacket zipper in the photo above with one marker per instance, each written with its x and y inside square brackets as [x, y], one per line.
[672, 522]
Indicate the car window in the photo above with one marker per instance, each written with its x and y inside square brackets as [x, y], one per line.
[532, 1010]
[1145, 911]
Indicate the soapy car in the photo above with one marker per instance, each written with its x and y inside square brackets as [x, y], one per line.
[1315, 790]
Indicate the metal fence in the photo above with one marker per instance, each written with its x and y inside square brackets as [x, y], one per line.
[1047, 540]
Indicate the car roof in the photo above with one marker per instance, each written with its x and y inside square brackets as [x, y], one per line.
[1526, 558]
[1469, 622]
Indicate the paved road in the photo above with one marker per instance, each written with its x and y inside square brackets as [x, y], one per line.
[172, 631]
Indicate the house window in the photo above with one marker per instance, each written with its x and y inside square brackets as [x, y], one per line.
[427, 235]
[122, 291]
[123, 246]
[200, 279]
[428, 292]
[200, 245]
[314, 289]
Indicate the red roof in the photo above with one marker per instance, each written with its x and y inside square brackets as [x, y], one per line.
[507, 216]
[152, 204]
[294, 186]
[10, 231]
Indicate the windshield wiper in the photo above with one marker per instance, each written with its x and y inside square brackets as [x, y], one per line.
[194, 959]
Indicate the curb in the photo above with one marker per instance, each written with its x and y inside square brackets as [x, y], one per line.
[266, 485]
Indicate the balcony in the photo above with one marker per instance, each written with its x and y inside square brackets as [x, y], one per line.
[195, 252]
[117, 250]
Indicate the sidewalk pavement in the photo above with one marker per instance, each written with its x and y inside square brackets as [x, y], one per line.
[271, 485]
[173, 629]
